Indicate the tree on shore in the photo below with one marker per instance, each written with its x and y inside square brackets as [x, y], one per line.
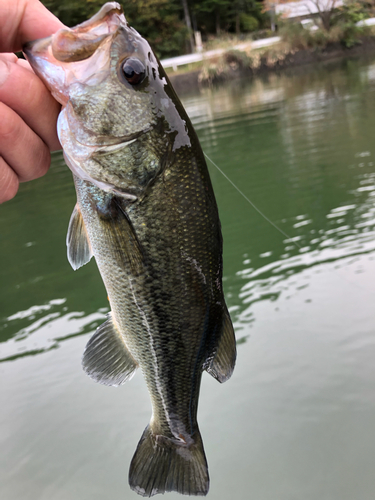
[325, 11]
[216, 16]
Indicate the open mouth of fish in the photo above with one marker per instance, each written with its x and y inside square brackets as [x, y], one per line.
[69, 56]
[52, 57]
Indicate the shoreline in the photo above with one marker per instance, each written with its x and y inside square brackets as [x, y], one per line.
[232, 66]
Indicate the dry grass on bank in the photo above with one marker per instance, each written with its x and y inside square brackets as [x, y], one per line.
[294, 40]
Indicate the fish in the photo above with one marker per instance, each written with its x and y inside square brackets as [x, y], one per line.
[146, 212]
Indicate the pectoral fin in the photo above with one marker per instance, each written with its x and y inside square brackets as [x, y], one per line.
[118, 230]
[224, 359]
[106, 358]
[79, 248]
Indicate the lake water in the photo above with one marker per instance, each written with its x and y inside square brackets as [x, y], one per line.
[297, 419]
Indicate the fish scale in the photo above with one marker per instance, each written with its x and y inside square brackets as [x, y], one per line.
[146, 289]
[147, 213]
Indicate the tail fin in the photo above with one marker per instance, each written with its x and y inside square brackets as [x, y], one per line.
[160, 464]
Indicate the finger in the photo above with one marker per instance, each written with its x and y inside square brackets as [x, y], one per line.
[9, 56]
[8, 182]
[22, 91]
[26, 20]
[25, 64]
[21, 148]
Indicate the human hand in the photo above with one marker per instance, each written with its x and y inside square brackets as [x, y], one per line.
[28, 112]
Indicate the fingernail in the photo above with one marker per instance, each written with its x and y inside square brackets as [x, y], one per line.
[4, 71]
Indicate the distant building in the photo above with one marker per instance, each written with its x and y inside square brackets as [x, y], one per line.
[306, 7]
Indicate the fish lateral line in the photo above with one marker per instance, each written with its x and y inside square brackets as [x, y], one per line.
[252, 204]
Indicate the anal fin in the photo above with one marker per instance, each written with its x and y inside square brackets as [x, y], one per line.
[78, 245]
[106, 358]
[222, 364]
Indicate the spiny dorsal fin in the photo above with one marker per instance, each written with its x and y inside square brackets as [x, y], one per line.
[222, 365]
[106, 358]
[79, 248]
[119, 231]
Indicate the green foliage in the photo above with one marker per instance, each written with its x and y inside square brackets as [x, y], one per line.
[210, 6]
[260, 34]
[351, 12]
[237, 59]
[214, 16]
[343, 29]
[295, 35]
[248, 22]
[345, 20]
[161, 22]
[72, 12]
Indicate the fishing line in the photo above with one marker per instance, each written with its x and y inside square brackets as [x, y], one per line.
[252, 204]
[275, 226]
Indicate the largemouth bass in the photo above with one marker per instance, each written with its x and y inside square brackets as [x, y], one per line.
[146, 211]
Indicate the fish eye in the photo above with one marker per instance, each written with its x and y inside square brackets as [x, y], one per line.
[134, 70]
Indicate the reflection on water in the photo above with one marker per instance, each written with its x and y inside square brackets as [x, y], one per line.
[299, 147]
[296, 419]
[43, 328]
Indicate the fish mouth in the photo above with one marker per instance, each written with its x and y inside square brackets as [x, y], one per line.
[80, 42]
[61, 59]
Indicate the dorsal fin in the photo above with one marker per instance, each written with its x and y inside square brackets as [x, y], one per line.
[106, 358]
[79, 248]
[222, 365]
